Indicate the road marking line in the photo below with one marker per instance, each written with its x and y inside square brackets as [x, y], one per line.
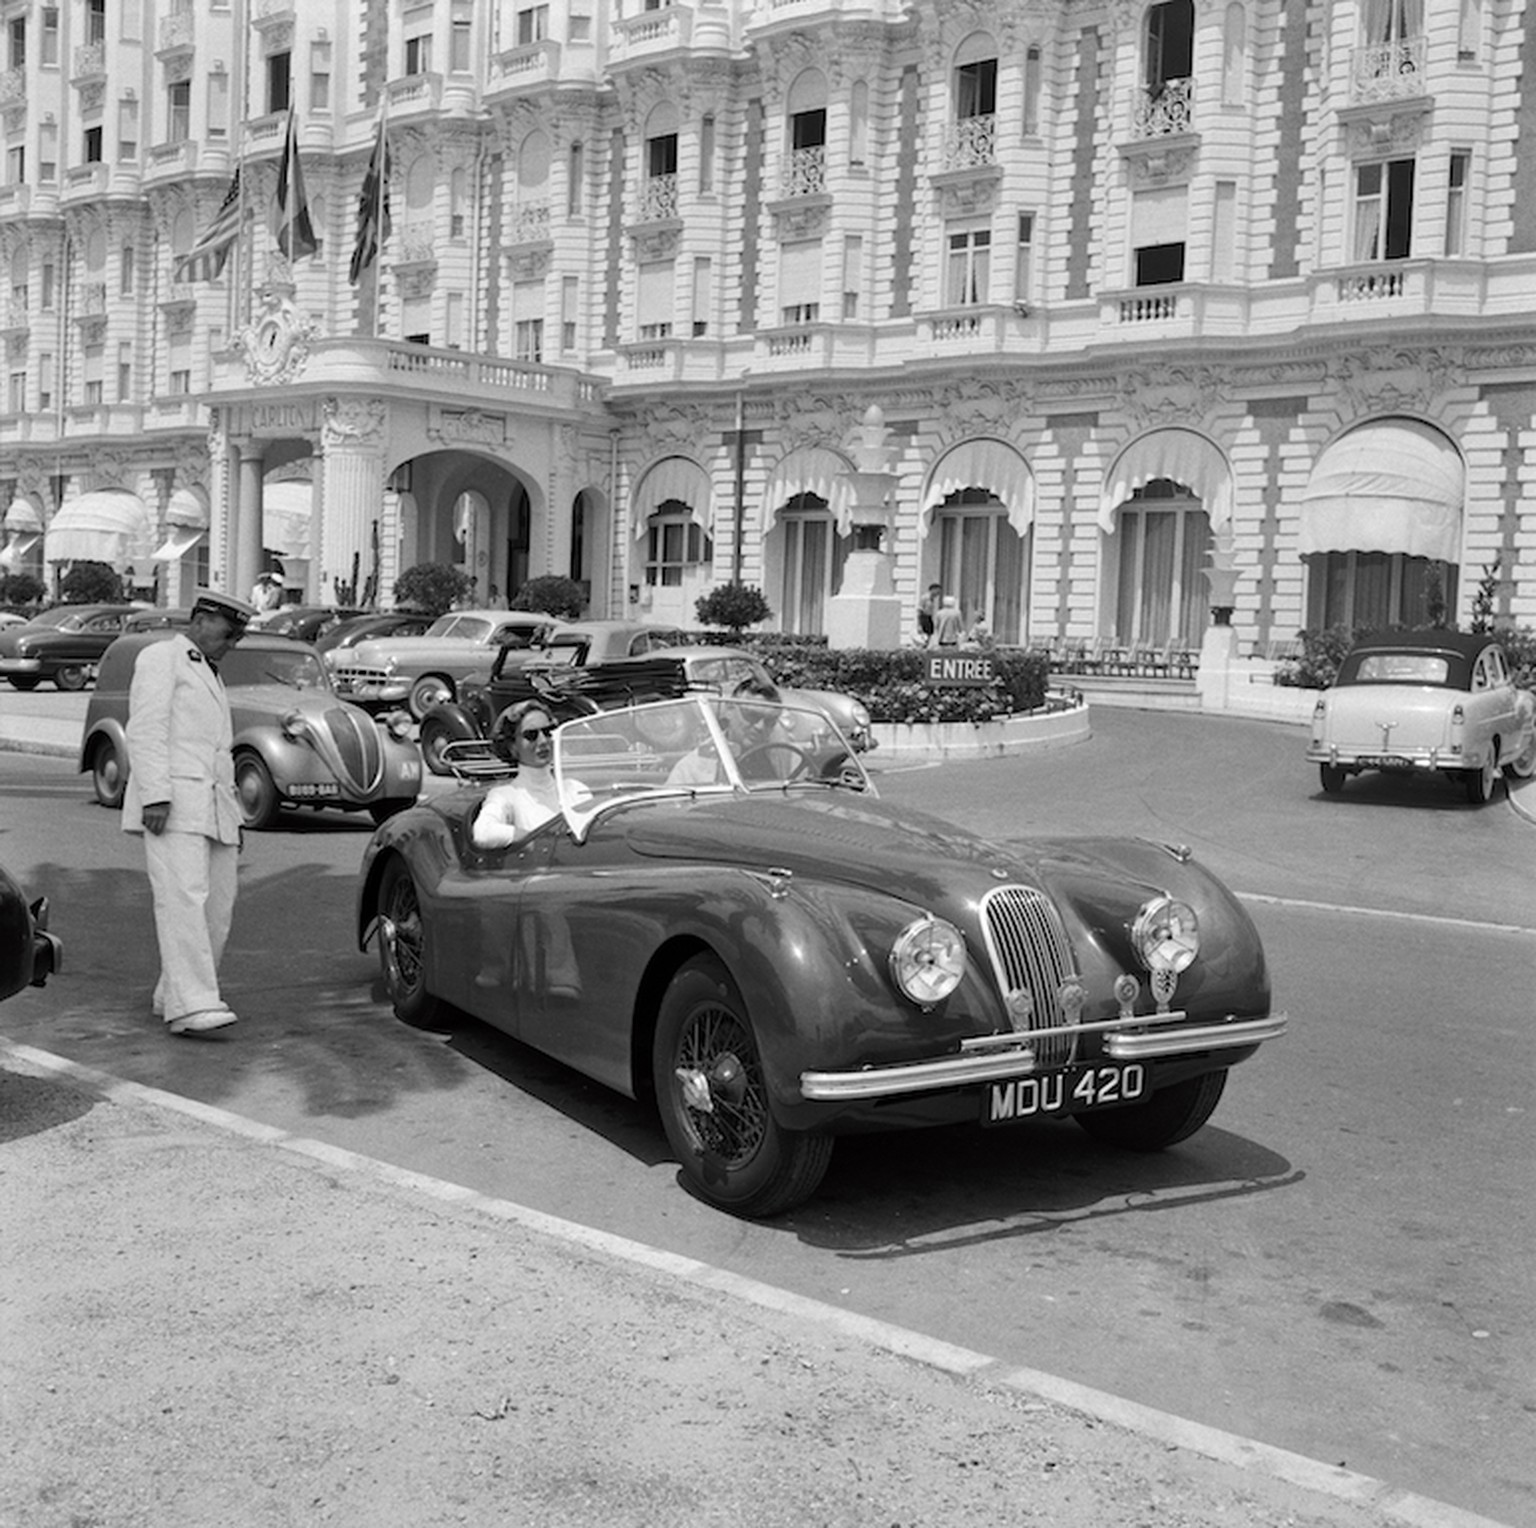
[1472, 925]
[1405, 1507]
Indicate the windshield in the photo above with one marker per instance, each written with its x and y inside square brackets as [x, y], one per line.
[61, 616]
[702, 745]
[299, 669]
[444, 626]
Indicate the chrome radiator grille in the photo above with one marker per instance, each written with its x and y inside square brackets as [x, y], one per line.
[1029, 949]
[358, 748]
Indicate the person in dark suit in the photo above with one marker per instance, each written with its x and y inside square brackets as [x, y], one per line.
[181, 796]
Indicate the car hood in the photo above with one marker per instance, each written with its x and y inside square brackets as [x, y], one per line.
[921, 859]
[375, 652]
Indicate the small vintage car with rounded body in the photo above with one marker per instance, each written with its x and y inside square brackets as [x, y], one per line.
[422, 672]
[1437, 700]
[62, 645]
[726, 920]
[296, 743]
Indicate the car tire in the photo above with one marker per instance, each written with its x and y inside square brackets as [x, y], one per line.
[23, 681]
[1523, 765]
[733, 1154]
[435, 737]
[428, 691]
[71, 677]
[1479, 782]
[1169, 1116]
[259, 801]
[1333, 776]
[108, 775]
[382, 811]
[402, 938]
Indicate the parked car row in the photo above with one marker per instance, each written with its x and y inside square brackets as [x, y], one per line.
[62, 645]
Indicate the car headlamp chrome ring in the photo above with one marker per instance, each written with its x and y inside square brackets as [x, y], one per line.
[294, 725]
[1166, 935]
[928, 960]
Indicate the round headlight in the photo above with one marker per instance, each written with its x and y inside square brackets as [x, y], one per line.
[1166, 934]
[398, 723]
[928, 960]
[294, 726]
[860, 714]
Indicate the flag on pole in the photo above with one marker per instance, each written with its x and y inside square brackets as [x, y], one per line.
[205, 260]
[295, 233]
[372, 207]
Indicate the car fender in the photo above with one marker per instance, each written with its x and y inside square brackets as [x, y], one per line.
[108, 729]
[457, 718]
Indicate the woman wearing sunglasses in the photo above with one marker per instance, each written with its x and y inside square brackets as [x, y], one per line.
[524, 737]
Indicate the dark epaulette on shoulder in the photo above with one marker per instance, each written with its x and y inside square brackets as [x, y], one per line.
[195, 655]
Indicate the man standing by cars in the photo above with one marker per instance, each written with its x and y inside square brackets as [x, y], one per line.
[181, 795]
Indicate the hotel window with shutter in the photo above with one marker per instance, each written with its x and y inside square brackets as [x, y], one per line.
[968, 272]
[703, 287]
[50, 48]
[126, 259]
[1031, 112]
[218, 104]
[418, 54]
[800, 282]
[570, 289]
[95, 20]
[18, 394]
[528, 320]
[45, 380]
[279, 82]
[180, 366]
[706, 155]
[91, 146]
[575, 170]
[1024, 260]
[460, 38]
[853, 275]
[124, 372]
[127, 130]
[178, 103]
[16, 165]
[18, 49]
[48, 154]
[654, 301]
[93, 361]
[319, 76]
[1383, 210]
[1460, 170]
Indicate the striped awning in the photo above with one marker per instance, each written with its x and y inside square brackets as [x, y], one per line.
[187, 507]
[1393, 486]
[179, 541]
[677, 479]
[1180, 456]
[22, 515]
[991, 465]
[817, 470]
[16, 551]
[107, 525]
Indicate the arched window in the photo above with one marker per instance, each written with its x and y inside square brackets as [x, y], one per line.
[984, 561]
[1170, 43]
[530, 216]
[858, 123]
[805, 135]
[813, 555]
[675, 544]
[1163, 538]
[659, 170]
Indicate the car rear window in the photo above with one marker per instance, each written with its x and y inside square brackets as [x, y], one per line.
[1400, 668]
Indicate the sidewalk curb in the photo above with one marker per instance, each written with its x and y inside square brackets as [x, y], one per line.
[1345, 1486]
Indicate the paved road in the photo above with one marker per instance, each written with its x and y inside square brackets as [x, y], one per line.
[1338, 1265]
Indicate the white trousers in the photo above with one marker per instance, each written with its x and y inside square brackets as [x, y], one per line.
[192, 881]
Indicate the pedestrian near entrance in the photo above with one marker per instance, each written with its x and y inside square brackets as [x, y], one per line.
[181, 796]
[948, 624]
[927, 611]
[267, 592]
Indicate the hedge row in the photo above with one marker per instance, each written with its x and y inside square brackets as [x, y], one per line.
[891, 683]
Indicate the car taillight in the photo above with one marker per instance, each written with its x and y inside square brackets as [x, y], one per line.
[1458, 726]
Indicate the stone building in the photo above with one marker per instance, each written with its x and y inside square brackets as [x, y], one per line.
[1056, 304]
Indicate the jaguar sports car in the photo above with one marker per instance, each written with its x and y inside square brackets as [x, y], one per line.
[726, 920]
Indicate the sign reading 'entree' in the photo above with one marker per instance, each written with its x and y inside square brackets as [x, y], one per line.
[945, 668]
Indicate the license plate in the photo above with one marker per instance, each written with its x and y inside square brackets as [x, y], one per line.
[1385, 761]
[303, 790]
[1069, 1092]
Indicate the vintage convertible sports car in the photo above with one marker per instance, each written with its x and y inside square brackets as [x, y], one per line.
[1425, 700]
[296, 742]
[29, 954]
[725, 919]
[576, 686]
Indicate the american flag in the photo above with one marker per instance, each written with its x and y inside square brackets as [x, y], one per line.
[372, 207]
[205, 260]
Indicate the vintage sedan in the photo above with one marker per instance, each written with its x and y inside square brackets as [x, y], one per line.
[1425, 700]
[727, 921]
[29, 954]
[296, 743]
[62, 645]
[333, 644]
[422, 672]
[304, 623]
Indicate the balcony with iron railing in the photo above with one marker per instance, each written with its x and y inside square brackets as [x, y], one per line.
[805, 171]
[13, 87]
[1387, 71]
[657, 201]
[971, 142]
[1160, 111]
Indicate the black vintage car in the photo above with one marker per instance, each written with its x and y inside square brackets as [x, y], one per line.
[29, 954]
[62, 645]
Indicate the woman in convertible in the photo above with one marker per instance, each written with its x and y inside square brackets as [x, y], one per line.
[524, 737]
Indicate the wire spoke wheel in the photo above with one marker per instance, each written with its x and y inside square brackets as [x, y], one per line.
[712, 1090]
[402, 940]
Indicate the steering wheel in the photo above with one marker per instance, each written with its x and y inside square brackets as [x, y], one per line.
[799, 762]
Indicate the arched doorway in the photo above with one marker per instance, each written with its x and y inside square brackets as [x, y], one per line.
[806, 541]
[1381, 527]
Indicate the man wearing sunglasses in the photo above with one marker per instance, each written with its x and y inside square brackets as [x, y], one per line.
[524, 737]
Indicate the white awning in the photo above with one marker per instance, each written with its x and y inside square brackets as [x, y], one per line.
[286, 508]
[15, 551]
[817, 470]
[109, 525]
[992, 465]
[1182, 457]
[1396, 486]
[178, 543]
[187, 507]
[677, 478]
[22, 515]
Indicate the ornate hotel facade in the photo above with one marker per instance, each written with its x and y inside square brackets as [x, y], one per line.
[1058, 305]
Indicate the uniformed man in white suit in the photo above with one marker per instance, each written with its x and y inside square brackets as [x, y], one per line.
[181, 796]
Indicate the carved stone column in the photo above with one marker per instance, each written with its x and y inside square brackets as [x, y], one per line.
[866, 612]
[247, 551]
[351, 484]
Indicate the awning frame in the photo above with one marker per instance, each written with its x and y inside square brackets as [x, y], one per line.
[672, 478]
[1178, 454]
[987, 463]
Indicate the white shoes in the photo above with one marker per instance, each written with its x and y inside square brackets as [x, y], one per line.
[202, 1022]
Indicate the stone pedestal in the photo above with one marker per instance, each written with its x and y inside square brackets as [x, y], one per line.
[867, 613]
[1218, 667]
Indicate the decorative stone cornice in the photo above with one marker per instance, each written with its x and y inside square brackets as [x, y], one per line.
[355, 423]
[1397, 126]
[1168, 160]
[474, 426]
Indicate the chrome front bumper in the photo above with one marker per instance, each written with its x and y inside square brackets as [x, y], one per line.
[994, 1058]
